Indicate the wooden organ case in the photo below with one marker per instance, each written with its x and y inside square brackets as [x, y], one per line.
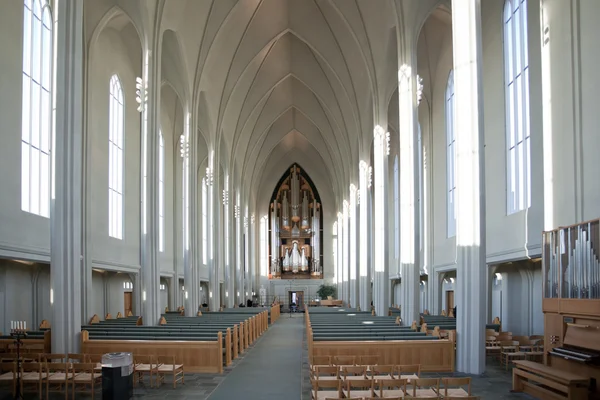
[571, 300]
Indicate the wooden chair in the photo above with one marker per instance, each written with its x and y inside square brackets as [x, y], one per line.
[368, 360]
[355, 372]
[330, 372]
[384, 372]
[453, 387]
[510, 351]
[72, 357]
[168, 365]
[343, 360]
[391, 388]
[409, 372]
[359, 388]
[50, 357]
[58, 377]
[144, 365]
[321, 360]
[32, 375]
[425, 388]
[84, 376]
[318, 384]
[492, 347]
[8, 374]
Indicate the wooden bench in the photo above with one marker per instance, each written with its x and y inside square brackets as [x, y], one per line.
[197, 356]
[547, 382]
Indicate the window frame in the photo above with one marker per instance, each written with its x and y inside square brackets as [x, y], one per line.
[517, 107]
[450, 156]
[37, 107]
[116, 159]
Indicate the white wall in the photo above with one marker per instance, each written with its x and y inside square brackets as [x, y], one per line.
[573, 115]
[108, 293]
[112, 54]
[22, 235]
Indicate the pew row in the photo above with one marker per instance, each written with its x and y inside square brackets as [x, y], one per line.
[36, 342]
[197, 356]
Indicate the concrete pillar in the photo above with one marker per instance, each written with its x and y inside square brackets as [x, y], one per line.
[149, 294]
[470, 188]
[214, 301]
[381, 282]
[353, 220]
[340, 254]
[363, 244]
[239, 258]
[345, 252]
[409, 189]
[67, 164]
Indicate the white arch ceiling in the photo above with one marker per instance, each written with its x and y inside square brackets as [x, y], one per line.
[300, 79]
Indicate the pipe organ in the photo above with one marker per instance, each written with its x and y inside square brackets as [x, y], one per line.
[571, 301]
[295, 228]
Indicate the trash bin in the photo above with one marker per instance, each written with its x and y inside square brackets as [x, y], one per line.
[117, 376]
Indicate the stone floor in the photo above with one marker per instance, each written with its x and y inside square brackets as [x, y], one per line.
[271, 367]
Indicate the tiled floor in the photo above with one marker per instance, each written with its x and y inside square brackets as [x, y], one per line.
[495, 384]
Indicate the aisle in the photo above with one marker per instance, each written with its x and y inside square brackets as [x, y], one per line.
[272, 369]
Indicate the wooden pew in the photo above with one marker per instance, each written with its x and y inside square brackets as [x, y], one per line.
[547, 382]
[197, 356]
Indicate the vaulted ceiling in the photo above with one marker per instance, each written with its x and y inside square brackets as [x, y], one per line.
[292, 79]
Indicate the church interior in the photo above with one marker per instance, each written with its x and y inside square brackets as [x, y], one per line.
[300, 198]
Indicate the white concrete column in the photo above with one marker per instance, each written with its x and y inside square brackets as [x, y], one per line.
[363, 239]
[189, 152]
[246, 287]
[345, 252]
[409, 199]
[226, 246]
[239, 257]
[470, 187]
[353, 220]
[67, 164]
[212, 214]
[252, 255]
[381, 282]
[340, 254]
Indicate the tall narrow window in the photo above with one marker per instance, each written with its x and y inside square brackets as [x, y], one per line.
[451, 156]
[36, 109]
[161, 192]
[516, 74]
[264, 257]
[334, 252]
[396, 210]
[115, 155]
[204, 223]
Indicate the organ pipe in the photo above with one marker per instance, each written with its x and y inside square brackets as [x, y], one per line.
[571, 261]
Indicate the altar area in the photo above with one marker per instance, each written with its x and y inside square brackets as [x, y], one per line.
[305, 290]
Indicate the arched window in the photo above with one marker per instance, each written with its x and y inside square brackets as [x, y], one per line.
[516, 74]
[204, 223]
[161, 192]
[36, 108]
[115, 156]
[396, 210]
[451, 156]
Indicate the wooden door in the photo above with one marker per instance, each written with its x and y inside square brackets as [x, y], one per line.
[128, 296]
[449, 301]
[300, 299]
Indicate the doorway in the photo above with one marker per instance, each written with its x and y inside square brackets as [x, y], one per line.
[127, 301]
[296, 300]
[449, 301]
